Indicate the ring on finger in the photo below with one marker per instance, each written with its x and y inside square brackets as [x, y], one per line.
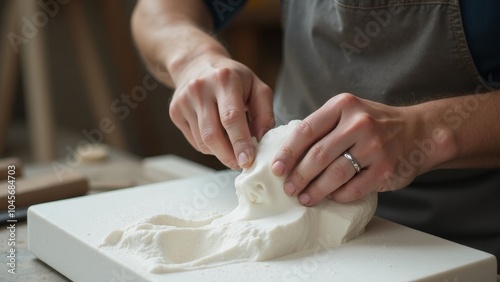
[353, 161]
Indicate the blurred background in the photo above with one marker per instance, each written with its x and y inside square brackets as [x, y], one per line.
[70, 72]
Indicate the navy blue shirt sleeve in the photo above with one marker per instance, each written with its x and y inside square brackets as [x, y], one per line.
[223, 10]
[481, 20]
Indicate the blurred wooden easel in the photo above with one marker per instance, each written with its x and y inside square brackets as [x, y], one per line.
[32, 59]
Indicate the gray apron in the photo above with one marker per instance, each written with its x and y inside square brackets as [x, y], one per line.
[395, 52]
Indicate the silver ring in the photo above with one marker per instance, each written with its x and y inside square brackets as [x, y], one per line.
[353, 161]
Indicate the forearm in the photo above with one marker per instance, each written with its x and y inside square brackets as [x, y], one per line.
[171, 34]
[465, 130]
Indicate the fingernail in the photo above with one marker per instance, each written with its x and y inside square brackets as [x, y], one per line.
[278, 168]
[242, 159]
[290, 188]
[304, 199]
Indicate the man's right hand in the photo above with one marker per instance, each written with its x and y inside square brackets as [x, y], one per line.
[214, 94]
[210, 106]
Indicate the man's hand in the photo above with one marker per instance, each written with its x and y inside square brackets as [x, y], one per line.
[210, 107]
[376, 135]
[213, 93]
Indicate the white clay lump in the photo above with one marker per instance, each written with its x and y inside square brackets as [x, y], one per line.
[265, 225]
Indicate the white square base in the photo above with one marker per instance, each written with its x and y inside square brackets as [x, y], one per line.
[66, 235]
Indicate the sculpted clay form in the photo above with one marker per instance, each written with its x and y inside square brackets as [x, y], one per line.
[265, 225]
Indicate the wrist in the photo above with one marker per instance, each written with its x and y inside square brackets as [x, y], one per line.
[199, 48]
[435, 140]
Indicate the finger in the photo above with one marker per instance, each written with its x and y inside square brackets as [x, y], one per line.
[195, 132]
[191, 117]
[178, 119]
[359, 186]
[317, 158]
[233, 118]
[307, 132]
[260, 109]
[213, 136]
[186, 131]
[335, 175]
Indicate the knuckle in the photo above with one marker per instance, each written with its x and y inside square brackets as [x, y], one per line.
[270, 121]
[231, 116]
[222, 75]
[263, 118]
[196, 93]
[320, 157]
[239, 142]
[304, 129]
[180, 99]
[209, 137]
[376, 143]
[265, 90]
[174, 113]
[315, 191]
[195, 85]
[384, 169]
[267, 119]
[299, 177]
[363, 122]
[337, 173]
[347, 99]
[354, 192]
[287, 153]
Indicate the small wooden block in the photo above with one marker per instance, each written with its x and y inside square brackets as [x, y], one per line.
[45, 188]
[92, 153]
